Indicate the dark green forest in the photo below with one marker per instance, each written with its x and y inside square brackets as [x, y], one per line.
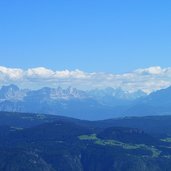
[38, 142]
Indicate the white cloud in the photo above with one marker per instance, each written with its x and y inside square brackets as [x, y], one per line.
[8, 73]
[152, 70]
[40, 72]
[148, 79]
[71, 74]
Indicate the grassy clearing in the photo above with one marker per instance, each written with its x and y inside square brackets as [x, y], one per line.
[88, 137]
[166, 140]
[96, 140]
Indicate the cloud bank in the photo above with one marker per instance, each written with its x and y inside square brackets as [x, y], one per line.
[148, 79]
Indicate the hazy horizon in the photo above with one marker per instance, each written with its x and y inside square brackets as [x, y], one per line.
[144, 79]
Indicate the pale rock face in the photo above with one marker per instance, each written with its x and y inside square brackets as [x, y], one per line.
[12, 92]
[116, 93]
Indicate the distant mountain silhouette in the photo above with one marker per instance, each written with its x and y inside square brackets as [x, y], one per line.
[93, 104]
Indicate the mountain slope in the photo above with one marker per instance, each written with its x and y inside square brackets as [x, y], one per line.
[157, 103]
[77, 145]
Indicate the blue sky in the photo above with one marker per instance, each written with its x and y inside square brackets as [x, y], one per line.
[94, 35]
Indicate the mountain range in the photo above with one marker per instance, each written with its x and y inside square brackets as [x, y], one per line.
[13, 92]
[92, 105]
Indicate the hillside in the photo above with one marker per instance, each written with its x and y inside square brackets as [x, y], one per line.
[55, 143]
